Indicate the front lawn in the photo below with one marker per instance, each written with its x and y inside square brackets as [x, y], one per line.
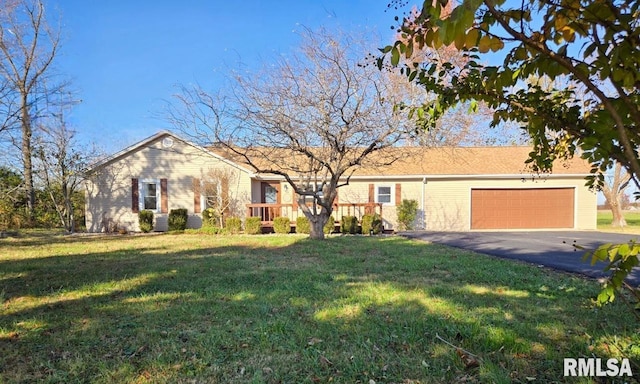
[632, 218]
[285, 309]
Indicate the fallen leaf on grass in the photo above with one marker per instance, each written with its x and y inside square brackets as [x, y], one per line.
[468, 360]
[324, 361]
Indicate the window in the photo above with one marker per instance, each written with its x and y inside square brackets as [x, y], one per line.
[212, 195]
[150, 195]
[383, 194]
[316, 187]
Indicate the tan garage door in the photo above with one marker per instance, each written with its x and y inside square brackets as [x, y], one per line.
[522, 208]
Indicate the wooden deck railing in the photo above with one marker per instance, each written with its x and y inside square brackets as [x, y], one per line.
[270, 211]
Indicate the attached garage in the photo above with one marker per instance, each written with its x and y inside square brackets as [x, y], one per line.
[522, 208]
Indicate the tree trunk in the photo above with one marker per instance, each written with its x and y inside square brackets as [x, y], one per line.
[618, 215]
[317, 226]
[613, 191]
[27, 161]
[317, 231]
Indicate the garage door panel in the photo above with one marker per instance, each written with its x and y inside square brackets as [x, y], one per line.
[526, 208]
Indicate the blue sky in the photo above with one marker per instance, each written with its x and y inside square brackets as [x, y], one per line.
[125, 57]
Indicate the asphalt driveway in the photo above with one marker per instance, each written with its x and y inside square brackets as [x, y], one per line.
[551, 249]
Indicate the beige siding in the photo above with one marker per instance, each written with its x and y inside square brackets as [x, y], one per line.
[448, 201]
[444, 203]
[109, 197]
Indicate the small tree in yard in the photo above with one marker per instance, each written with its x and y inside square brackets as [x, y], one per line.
[312, 117]
[60, 163]
[220, 189]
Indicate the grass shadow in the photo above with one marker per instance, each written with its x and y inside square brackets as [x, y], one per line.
[288, 309]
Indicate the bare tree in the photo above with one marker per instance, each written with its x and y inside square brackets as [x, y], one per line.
[28, 47]
[312, 117]
[60, 163]
[220, 189]
[613, 189]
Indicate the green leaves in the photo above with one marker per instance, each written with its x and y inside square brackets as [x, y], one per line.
[395, 56]
[620, 259]
[570, 78]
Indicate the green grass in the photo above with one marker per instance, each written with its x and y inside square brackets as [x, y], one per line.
[282, 308]
[632, 218]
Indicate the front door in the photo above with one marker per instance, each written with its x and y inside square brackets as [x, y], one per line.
[270, 195]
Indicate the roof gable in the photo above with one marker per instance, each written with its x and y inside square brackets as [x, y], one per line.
[161, 135]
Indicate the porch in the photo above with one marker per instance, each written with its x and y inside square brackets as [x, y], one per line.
[268, 212]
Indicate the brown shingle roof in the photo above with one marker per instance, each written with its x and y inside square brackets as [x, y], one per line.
[468, 161]
[449, 161]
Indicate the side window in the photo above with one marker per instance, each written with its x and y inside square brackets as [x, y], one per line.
[150, 195]
[211, 195]
[383, 194]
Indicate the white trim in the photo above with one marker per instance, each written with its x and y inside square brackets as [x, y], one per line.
[141, 194]
[561, 186]
[525, 177]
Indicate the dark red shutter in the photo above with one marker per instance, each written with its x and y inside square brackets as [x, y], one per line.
[372, 196]
[398, 194]
[164, 203]
[135, 196]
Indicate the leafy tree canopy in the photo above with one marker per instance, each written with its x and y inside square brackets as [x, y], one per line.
[588, 51]
[570, 76]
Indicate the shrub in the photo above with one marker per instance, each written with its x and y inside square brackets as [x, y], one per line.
[282, 225]
[178, 219]
[330, 225]
[407, 212]
[145, 220]
[303, 225]
[253, 225]
[233, 225]
[210, 218]
[371, 222]
[204, 231]
[349, 224]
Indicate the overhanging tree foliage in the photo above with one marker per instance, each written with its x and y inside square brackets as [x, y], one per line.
[592, 45]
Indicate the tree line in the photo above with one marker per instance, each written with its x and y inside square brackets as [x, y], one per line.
[42, 165]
